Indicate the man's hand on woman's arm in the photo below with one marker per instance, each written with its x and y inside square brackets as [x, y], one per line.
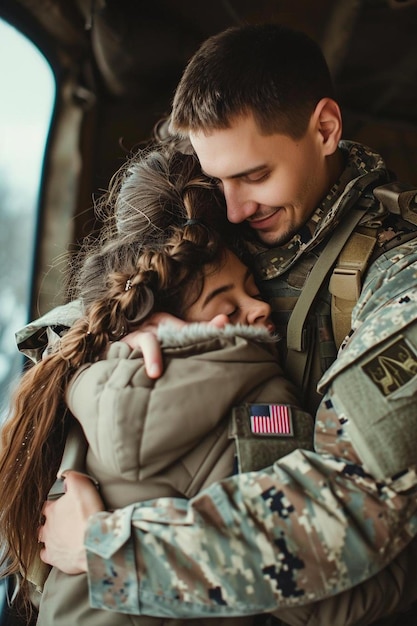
[65, 524]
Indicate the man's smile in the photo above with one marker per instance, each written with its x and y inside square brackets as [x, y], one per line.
[263, 219]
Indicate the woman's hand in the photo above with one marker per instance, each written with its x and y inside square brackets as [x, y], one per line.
[66, 522]
[146, 340]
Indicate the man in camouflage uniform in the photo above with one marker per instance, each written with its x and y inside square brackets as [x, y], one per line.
[311, 526]
[318, 529]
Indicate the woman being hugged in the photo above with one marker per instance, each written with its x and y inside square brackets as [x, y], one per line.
[166, 247]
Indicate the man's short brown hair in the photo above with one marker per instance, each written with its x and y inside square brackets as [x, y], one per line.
[277, 74]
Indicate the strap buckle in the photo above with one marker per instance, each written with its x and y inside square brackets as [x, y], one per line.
[345, 283]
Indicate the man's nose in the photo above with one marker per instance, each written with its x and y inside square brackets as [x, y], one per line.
[239, 206]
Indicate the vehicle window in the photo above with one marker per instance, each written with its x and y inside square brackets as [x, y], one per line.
[26, 107]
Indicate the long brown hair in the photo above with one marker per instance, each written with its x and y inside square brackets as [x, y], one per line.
[164, 222]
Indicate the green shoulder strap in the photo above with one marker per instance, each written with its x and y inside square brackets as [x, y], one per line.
[297, 350]
[348, 252]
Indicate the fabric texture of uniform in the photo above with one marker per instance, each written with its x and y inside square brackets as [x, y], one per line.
[284, 270]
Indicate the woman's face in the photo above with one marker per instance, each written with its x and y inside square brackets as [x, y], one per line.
[230, 290]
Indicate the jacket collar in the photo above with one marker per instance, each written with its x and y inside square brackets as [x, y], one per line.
[363, 170]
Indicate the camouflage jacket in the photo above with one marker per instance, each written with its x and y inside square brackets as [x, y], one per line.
[284, 271]
[312, 525]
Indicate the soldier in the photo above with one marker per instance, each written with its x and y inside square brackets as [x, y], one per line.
[330, 232]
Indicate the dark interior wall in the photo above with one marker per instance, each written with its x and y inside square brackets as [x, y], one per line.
[130, 54]
[118, 62]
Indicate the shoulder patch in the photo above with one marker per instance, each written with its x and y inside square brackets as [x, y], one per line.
[393, 367]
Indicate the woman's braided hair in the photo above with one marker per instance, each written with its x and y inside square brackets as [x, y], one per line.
[163, 223]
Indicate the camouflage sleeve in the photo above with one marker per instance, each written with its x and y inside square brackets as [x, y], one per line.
[307, 528]
[391, 276]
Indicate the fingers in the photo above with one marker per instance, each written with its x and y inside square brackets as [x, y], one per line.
[82, 490]
[65, 523]
[219, 321]
[78, 488]
[149, 345]
[74, 480]
[145, 339]
[43, 520]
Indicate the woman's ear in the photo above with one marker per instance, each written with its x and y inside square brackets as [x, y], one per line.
[328, 120]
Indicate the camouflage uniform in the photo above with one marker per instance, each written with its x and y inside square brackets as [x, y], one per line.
[311, 526]
[316, 524]
[284, 270]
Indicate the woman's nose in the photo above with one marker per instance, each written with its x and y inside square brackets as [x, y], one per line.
[259, 313]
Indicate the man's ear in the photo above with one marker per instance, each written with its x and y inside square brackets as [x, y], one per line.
[328, 120]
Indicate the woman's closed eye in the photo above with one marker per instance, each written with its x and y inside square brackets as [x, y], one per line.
[257, 296]
[236, 310]
[233, 313]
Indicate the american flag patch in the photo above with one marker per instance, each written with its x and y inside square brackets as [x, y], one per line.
[271, 419]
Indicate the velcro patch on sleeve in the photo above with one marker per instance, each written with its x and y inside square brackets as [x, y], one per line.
[265, 432]
[393, 367]
[271, 419]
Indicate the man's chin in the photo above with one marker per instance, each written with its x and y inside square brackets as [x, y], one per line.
[273, 239]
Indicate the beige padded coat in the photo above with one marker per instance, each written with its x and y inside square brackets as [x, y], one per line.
[168, 437]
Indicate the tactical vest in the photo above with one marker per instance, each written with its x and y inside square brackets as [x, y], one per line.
[313, 301]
